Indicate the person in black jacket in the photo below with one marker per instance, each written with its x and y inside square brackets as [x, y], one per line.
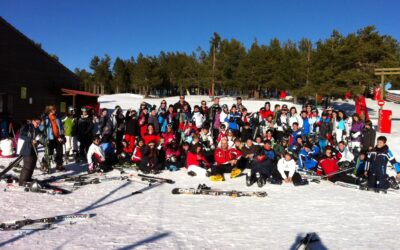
[132, 130]
[368, 137]
[150, 162]
[178, 107]
[28, 136]
[85, 127]
[246, 133]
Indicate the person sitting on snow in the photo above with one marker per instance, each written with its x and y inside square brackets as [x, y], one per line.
[226, 161]
[328, 165]
[306, 158]
[172, 154]
[347, 158]
[196, 163]
[287, 170]
[96, 156]
[137, 152]
[261, 170]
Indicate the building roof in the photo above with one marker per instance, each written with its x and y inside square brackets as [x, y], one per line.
[77, 92]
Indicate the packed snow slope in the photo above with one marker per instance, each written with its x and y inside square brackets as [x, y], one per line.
[155, 219]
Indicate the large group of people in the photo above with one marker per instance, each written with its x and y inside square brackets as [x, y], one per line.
[277, 144]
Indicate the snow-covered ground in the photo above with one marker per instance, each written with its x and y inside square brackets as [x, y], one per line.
[155, 219]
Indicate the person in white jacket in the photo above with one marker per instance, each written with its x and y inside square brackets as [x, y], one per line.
[287, 170]
[198, 117]
[347, 158]
[95, 156]
[6, 148]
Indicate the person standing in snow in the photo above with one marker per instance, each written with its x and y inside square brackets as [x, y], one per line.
[375, 167]
[368, 136]
[198, 117]
[356, 133]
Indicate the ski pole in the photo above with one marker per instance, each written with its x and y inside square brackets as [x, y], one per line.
[338, 172]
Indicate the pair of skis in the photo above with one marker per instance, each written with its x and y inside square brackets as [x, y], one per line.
[213, 192]
[364, 188]
[19, 224]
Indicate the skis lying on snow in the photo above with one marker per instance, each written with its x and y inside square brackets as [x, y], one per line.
[155, 179]
[311, 175]
[233, 193]
[49, 220]
[39, 187]
[355, 186]
[11, 165]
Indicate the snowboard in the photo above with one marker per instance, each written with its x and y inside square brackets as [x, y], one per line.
[232, 193]
[48, 220]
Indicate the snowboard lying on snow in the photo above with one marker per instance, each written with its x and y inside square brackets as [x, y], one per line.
[232, 193]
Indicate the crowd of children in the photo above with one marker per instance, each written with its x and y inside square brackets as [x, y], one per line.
[276, 144]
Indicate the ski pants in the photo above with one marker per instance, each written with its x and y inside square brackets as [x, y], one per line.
[28, 168]
[84, 146]
[265, 171]
[201, 172]
[296, 178]
[58, 146]
[343, 177]
[222, 169]
[377, 177]
[71, 143]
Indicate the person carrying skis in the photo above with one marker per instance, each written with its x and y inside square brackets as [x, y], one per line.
[375, 167]
[29, 137]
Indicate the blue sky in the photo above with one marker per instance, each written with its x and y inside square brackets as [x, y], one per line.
[78, 30]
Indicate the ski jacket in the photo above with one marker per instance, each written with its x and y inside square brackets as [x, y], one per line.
[132, 127]
[168, 137]
[378, 158]
[246, 134]
[269, 154]
[136, 154]
[179, 106]
[306, 159]
[265, 113]
[224, 156]
[196, 159]
[328, 165]
[198, 119]
[368, 138]
[153, 120]
[356, 130]
[85, 127]
[106, 126]
[69, 126]
[295, 135]
[346, 155]
[233, 120]
[284, 165]
[306, 126]
[295, 118]
[97, 152]
[151, 137]
[50, 130]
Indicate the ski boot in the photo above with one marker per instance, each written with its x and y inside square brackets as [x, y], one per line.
[393, 183]
[250, 180]
[60, 167]
[217, 177]
[261, 180]
[275, 181]
[235, 172]
[301, 183]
